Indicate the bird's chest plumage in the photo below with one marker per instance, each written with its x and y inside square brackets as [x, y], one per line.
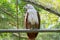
[32, 17]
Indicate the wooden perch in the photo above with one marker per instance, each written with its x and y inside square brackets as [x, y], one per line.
[45, 8]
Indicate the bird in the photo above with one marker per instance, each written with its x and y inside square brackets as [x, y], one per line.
[31, 20]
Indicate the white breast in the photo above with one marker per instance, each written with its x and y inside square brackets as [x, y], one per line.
[32, 17]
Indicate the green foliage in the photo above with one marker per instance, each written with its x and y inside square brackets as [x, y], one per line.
[8, 19]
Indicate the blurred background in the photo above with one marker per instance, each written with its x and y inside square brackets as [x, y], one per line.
[10, 18]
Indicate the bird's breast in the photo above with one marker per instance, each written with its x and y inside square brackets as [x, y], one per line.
[33, 18]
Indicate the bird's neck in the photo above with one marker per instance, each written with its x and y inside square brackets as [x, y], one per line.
[31, 10]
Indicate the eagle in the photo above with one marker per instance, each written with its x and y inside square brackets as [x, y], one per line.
[31, 20]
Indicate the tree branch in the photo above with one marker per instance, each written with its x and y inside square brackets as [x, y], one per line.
[45, 8]
[7, 12]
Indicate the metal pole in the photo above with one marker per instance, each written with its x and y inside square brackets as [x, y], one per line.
[27, 30]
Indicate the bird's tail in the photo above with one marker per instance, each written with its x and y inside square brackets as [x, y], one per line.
[31, 39]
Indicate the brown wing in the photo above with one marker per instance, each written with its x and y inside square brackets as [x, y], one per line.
[25, 19]
[26, 22]
[38, 25]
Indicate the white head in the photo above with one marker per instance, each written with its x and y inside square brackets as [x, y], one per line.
[28, 6]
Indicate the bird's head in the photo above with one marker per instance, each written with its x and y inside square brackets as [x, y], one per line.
[28, 6]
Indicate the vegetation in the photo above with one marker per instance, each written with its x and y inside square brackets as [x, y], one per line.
[8, 19]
